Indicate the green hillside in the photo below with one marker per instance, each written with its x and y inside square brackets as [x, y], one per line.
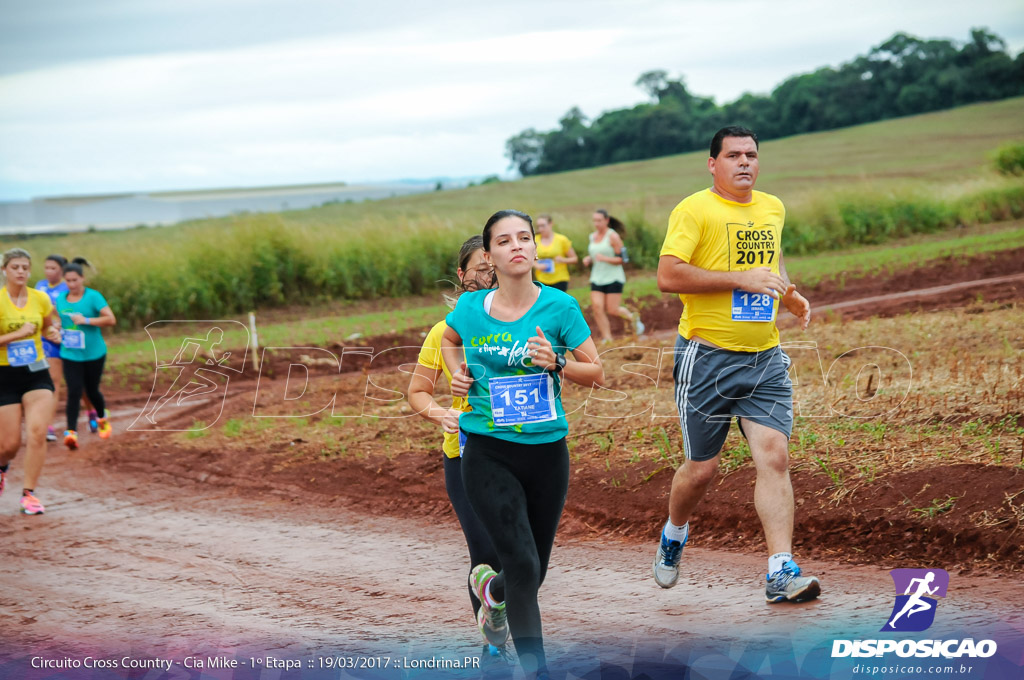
[842, 188]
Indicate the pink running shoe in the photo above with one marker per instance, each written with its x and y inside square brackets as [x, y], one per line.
[30, 505]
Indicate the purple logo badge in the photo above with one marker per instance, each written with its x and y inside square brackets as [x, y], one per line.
[914, 610]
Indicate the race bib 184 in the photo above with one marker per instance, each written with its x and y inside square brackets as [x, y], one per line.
[21, 352]
[522, 399]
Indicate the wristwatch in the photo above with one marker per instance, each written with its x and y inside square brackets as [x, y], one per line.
[559, 364]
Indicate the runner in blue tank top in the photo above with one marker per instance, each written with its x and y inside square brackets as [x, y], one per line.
[53, 285]
[510, 346]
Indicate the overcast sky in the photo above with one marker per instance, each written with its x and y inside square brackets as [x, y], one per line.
[112, 95]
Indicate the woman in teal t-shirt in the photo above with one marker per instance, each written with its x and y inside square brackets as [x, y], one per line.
[83, 311]
[510, 346]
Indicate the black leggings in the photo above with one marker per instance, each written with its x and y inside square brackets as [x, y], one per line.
[518, 492]
[481, 551]
[87, 374]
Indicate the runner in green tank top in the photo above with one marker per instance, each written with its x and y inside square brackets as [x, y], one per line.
[607, 277]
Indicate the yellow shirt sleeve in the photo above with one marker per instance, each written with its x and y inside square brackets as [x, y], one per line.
[430, 353]
[566, 245]
[431, 357]
[684, 233]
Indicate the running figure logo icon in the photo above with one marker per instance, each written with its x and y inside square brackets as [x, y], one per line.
[914, 610]
[197, 374]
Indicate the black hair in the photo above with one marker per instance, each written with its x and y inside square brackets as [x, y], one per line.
[59, 259]
[730, 131]
[76, 266]
[614, 222]
[497, 217]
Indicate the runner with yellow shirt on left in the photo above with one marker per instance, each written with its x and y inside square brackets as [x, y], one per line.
[474, 274]
[26, 388]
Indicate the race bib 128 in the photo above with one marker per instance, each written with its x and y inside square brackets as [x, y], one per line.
[752, 306]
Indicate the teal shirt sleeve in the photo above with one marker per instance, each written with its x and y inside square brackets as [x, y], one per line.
[457, 318]
[574, 327]
[60, 304]
[98, 302]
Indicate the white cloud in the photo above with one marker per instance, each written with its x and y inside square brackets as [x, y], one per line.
[438, 94]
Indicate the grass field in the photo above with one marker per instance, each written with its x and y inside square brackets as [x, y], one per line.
[861, 185]
[334, 322]
[931, 402]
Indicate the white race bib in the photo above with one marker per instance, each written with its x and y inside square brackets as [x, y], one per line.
[72, 339]
[758, 307]
[22, 352]
[522, 399]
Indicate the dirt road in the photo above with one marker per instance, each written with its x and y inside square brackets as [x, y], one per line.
[125, 564]
[154, 550]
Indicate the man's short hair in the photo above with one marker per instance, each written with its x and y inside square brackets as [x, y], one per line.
[730, 131]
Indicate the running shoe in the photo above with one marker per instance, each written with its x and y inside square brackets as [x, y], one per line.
[666, 562]
[788, 584]
[30, 505]
[104, 428]
[640, 327]
[71, 439]
[94, 425]
[3, 481]
[51, 434]
[497, 663]
[490, 619]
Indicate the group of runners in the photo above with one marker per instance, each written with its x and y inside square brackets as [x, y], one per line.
[511, 341]
[606, 255]
[513, 337]
[48, 333]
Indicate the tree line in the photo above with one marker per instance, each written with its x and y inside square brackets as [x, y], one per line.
[903, 75]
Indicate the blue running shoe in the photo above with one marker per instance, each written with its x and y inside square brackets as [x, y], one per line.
[788, 584]
[666, 562]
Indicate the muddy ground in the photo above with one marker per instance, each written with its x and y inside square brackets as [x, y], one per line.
[386, 466]
[210, 530]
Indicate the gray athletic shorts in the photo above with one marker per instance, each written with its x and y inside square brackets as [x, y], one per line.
[713, 385]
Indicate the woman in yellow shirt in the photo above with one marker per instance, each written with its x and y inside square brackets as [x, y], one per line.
[474, 274]
[554, 255]
[26, 316]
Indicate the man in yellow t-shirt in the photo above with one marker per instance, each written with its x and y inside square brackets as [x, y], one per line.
[723, 255]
